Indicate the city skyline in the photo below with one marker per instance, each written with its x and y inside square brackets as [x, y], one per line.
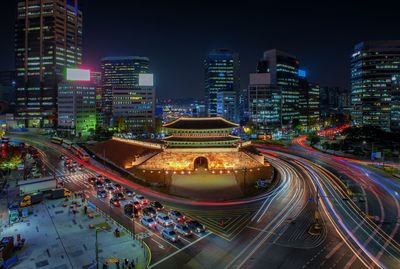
[326, 60]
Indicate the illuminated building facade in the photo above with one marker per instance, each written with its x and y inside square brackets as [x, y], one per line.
[308, 103]
[200, 132]
[222, 73]
[123, 95]
[227, 106]
[395, 104]
[77, 107]
[284, 75]
[134, 108]
[373, 66]
[264, 102]
[48, 38]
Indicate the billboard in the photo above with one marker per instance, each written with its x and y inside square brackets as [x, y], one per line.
[146, 80]
[78, 74]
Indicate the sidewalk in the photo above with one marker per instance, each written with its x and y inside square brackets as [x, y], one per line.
[56, 239]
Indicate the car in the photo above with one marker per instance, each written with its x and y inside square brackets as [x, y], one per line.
[140, 198]
[62, 157]
[176, 216]
[98, 184]
[170, 235]
[118, 186]
[148, 222]
[149, 211]
[80, 167]
[74, 163]
[136, 204]
[72, 170]
[195, 226]
[109, 188]
[164, 220]
[101, 194]
[119, 196]
[182, 229]
[91, 180]
[130, 211]
[157, 205]
[128, 192]
[99, 177]
[107, 181]
[115, 202]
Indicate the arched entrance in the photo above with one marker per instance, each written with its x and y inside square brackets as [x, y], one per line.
[200, 162]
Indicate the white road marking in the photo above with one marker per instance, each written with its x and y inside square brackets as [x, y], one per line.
[178, 251]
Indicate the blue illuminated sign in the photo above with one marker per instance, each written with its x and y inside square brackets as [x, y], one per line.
[302, 73]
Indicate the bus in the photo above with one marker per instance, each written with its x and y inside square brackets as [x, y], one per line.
[67, 144]
[56, 140]
[81, 153]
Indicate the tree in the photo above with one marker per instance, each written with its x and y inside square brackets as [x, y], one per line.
[121, 125]
[313, 139]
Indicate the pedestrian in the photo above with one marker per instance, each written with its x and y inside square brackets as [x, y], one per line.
[133, 264]
[117, 265]
[105, 265]
[85, 209]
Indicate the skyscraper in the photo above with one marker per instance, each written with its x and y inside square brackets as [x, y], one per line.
[264, 103]
[222, 73]
[128, 92]
[48, 38]
[373, 66]
[227, 106]
[7, 91]
[284, 74]
[308, 103]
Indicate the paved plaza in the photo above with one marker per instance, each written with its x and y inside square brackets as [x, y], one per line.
[56, 238]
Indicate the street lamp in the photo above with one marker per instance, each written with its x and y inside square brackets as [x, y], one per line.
[97, 246]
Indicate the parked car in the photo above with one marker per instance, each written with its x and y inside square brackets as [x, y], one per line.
[115, 202]
[164, 220]
[102, 194]
[176, 216]
[148, 222]
[183, 229]
[149, 211]
[170, 235]
[157, 205]
[195, 226]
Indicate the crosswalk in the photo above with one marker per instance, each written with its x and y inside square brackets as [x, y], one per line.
[77, 178]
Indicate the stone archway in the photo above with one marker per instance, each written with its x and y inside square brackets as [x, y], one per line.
[200, 162]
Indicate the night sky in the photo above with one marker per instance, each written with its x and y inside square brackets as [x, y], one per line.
[176, 35]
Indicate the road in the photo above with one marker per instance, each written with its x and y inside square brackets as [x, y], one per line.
[270, 231]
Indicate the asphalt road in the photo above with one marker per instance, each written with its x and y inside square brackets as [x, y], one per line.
[270, 232]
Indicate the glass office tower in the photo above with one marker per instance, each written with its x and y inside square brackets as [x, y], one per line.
[48, 38]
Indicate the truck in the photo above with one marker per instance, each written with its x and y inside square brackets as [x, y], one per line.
[31, 199]
[59, 193]
[37, 185]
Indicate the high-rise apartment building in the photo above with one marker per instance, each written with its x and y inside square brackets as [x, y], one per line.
[222, 73]
[48, 38]
[373, 66]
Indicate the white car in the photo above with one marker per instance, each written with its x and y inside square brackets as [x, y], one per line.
[164, 220]
[148, 222]
[140, 198]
